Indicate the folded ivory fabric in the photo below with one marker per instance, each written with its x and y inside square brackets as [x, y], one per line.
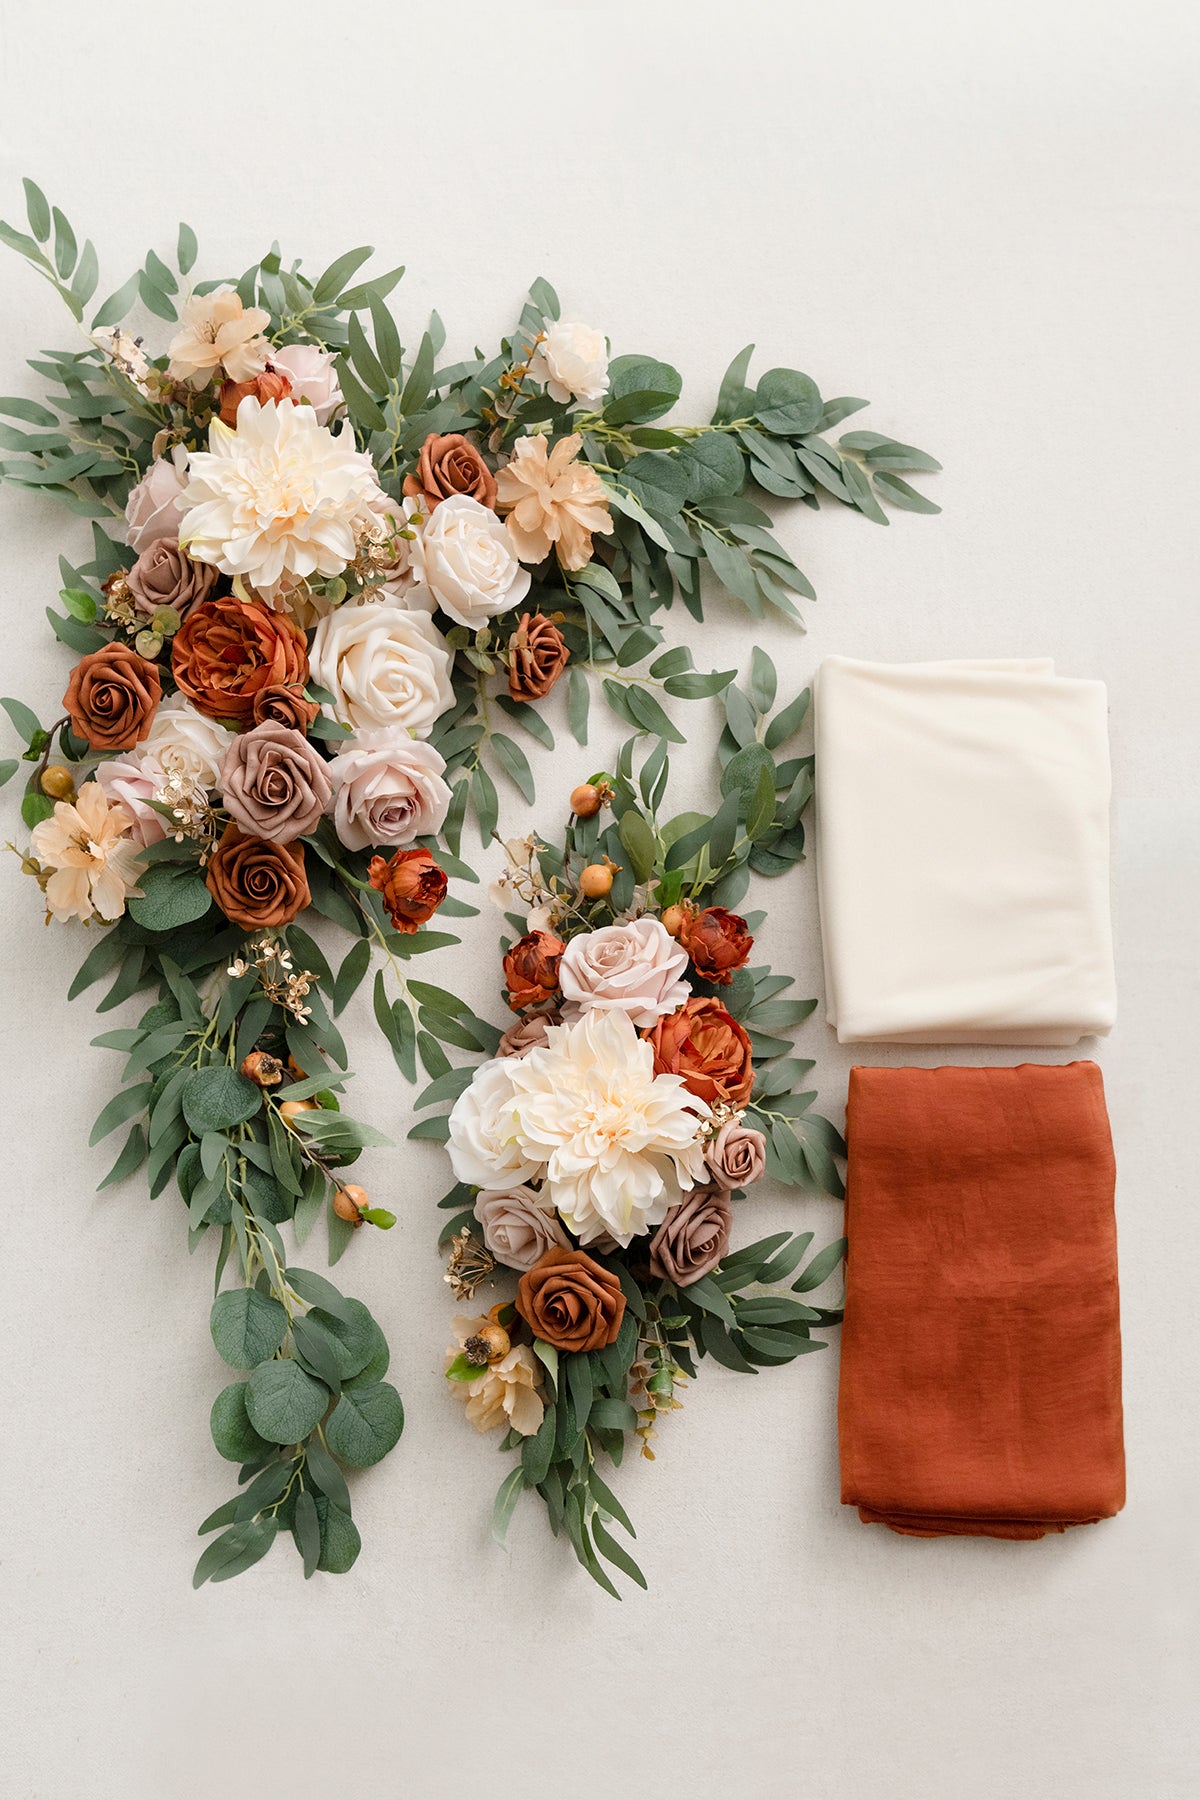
[980, 1390]
[962, 852]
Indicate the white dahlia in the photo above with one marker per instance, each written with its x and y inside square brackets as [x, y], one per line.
[282, 496]
[619, 1142]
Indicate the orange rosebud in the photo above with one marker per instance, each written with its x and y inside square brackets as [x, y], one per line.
[717, 941]
[272, 384]
[412, 884]
[531, 969]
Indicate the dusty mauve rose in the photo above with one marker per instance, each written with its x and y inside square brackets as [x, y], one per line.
[635, 969]
[313, 375]
[284, 706]
[704, 1044]
[152, 510]
[737, 1155]
[528, 1033]
[537, 656]
[272, 384]
[717, 941]
[389, 789]
[531, 969]
[450, 464]
[165, 575]
[693, 1237]
[255, 883]
[412, 884]
[569, 1301]
[227, 651]
[517, 1228]
[274, 784]
[112, 696]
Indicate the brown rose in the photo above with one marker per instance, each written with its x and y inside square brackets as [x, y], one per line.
[165, 575]
[412, 884]
[272, 384]
[112, 697]
[708, 1047]
[569, 1301]
[529, 1033]
[284, 706]
[228, 651]
[737, 1155]
[448, 465]
[537, 656]
[693, 1237]
[717, 941]
[274, 784]
[531, 969]
[257, 884]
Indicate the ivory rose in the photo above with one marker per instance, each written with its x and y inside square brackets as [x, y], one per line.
[636, 969]
[388, 789]
[152, 510]
[483, 1146]
[181, 738]
[313, 375]
[384, 666]
[468, 563]
[519, 1224]
[572, 360]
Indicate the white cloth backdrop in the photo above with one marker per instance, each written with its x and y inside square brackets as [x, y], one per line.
[986, 221]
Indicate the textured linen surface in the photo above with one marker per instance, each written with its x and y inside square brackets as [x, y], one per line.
[962, 852]
[980, 1389]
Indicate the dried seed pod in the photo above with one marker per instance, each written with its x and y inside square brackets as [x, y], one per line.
[262, 1069]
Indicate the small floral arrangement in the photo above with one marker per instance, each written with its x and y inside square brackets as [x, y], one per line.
[601, 1153]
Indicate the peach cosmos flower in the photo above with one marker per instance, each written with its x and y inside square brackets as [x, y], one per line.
[217, 333]
[553, 501]
[506, 1392]
[95, 862]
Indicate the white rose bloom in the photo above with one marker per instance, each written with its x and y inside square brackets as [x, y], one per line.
[572, 360]
[388, 789]
[635, 969]
[468, 563]
[483, 1146]
[394, 520]
[182, 738]
[619, 1143]
[384, 665]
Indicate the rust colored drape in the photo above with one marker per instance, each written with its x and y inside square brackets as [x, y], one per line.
[980, 1388]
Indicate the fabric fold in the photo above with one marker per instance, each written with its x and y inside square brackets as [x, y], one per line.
[980, 1386]
[963, 852]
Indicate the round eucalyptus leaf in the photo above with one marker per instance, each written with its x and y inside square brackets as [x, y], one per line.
[283, 1403]
[365, 1424]
[247, 1327]
[340, 1542]
[787, 403]
[169, 898]
[232, 1433]
[216, 1098]
[353, 1340]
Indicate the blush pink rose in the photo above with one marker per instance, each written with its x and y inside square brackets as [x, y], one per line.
[737, 1156]
[152, 509]
[388, 789]
[133, 781]
[635, 969]
[313, 375]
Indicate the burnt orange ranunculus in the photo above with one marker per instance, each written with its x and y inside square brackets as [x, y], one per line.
[569, 1301]
[228, 651]
[257, 884]
[112, 697]
[707, 1046]
[717, 941]
[272, 384]
[531, 969]
[450, 464]
[537, 656]
[413, 886]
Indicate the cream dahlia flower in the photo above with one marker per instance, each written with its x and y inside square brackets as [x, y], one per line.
[281, 497]
[553, 501]
[507, 1392]
[619, 1143]
[96, 865]
[217, 333]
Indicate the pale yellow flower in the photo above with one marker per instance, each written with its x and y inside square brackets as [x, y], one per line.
[217, 333]
[95, 863]
[553, 501]
[507, 1392]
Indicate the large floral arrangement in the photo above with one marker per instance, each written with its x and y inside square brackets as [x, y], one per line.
[641, 1089]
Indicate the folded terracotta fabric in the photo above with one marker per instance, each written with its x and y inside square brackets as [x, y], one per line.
[980, 1388]
[962, 852]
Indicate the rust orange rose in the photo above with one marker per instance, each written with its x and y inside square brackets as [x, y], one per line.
[112, 697]
[450, 464]
[412, 884]
[531, 969]
[272, 384]
[284, 706]
[257, 884]
[569, 1301]
[228, 651]
[717, 941]
[707, 1046]
[537, 656]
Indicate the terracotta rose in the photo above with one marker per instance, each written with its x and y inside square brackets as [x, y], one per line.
[451, 464]
[257, 884]
[569, 1301]
[537, 656]
[693, 1237]
[717, 941]
[412, 884]
[229, 651]
[704, 1044]
[112, 697]
[165, 575]
[284, 706]
[531, 969]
